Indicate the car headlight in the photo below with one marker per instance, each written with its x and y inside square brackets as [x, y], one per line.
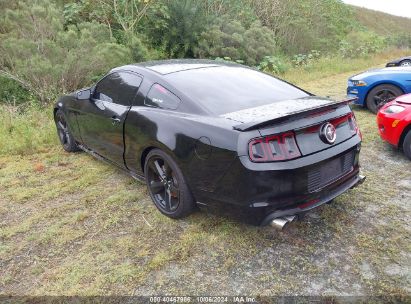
[394, 109]
[358, 83]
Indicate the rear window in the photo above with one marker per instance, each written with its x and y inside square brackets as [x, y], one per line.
[225, 89]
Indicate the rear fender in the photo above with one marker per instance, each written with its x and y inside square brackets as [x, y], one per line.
[197, 147]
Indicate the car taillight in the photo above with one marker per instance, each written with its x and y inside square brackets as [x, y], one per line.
[274, 148]
[353, 125]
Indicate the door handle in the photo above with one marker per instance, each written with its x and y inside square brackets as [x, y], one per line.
[115, 120]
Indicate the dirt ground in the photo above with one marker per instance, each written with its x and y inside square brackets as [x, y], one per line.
[71, 225]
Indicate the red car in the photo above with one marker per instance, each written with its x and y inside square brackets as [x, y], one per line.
[394, 123]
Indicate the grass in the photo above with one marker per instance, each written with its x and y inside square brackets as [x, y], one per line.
[330, 66]
[71, 225]
[26, 129]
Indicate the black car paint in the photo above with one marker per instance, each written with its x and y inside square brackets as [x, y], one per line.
[211, 153]
[397, 62]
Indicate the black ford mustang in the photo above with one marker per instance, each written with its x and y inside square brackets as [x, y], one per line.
[404, 61]
[216, 135]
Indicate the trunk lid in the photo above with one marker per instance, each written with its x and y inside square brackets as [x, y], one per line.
[305, 117]
[261, 116]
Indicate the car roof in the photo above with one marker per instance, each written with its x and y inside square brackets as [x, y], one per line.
[165, 67]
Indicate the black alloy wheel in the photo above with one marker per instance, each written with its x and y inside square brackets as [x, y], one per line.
[380, 95]
[65, 137]
[163, 185]
[166, 185]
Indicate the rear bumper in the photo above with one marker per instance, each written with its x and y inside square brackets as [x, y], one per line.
[286, 188]
[325, 198]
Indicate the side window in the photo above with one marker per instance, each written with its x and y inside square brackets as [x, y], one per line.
[104, 89]
[160, 97]
[118, 87]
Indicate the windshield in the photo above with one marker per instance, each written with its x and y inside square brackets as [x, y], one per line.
[226, 89]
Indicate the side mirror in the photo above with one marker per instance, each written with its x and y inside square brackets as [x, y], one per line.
[84, 94]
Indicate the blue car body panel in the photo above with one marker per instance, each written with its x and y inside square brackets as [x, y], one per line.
[398, 76]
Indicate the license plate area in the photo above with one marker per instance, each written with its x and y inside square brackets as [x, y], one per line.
[330, 171]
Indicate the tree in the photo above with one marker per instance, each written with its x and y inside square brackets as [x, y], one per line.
[174, 26]
[232, 39]
[38, 53]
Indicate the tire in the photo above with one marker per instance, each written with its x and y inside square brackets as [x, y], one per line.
[406, 145]
[166, 185]
[406, 63]
[380, 95]
[66, 139]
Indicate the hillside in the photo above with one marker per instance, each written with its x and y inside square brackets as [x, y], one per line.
[381, 23]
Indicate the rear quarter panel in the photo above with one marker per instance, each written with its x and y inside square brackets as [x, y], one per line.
[203, 147]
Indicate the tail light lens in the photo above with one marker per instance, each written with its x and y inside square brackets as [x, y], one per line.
[353, 125]
[274, 148]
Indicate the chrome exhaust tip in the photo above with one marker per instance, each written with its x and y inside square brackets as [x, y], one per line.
[280, 222]
[362, 179]
[290, 218]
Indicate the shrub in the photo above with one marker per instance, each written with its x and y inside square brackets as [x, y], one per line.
[273, 64]
[229, 59]
[402, 40]
[26, 130]
[361, 43]
[12, 93]
[174, 26]
[223, 40]
[134, 42]
[239, 10]
[231, 39]
[306, 59]
[47, 60]
[302, 25]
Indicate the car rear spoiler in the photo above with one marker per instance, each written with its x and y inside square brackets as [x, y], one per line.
[258, 124]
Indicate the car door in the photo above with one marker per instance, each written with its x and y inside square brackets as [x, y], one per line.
[101, 119]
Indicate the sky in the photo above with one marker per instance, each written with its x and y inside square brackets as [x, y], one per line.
[393, 7]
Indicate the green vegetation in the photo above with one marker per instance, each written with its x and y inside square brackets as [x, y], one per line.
[26, 130]
[46, 59]
[231, 39]
[381, 23]
[50, 47]
[301, 26]
[328, 66]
